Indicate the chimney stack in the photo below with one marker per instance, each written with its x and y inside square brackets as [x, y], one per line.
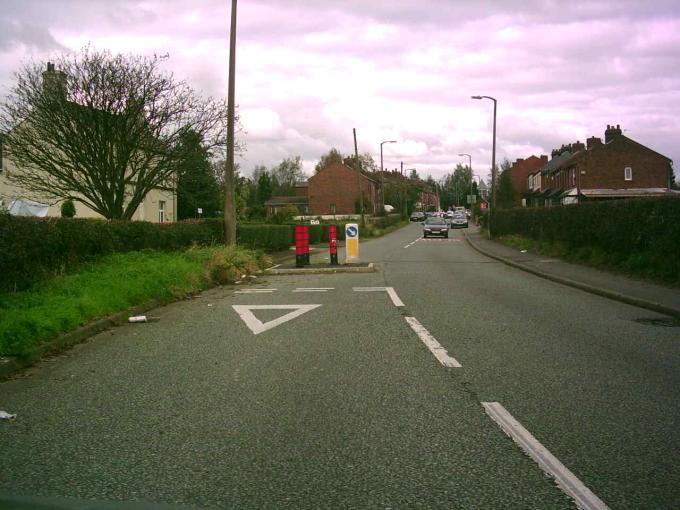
[54, 82]
[593, 142]
[611, 133]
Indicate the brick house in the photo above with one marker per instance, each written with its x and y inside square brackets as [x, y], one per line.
[519, 173]
[618, 168]
[333, 191]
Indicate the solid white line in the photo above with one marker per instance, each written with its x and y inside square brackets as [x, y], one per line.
[566, 480]
[273, 267]
[432, 344]
[390, 292]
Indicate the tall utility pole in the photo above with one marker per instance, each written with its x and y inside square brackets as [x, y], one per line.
[229, 205]
[404, 212]
[382, 175]
[357, 165]
[493, 153]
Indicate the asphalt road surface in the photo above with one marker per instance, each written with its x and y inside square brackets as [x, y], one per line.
[352, 396]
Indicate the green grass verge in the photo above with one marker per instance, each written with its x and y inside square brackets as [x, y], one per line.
[649, 266]
[112, 284]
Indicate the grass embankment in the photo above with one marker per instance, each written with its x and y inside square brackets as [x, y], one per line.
[113, 284]
[640, 265]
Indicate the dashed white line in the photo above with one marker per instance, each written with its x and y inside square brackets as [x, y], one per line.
[390, 292]
[313, 289]
[566, 480]
[412, 243]
[435, 347]
[255, 291]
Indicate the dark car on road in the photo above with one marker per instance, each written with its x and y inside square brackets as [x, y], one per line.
[435, 227]
[417, 216]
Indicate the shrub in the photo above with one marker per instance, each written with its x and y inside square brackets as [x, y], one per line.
[641, 235]
[32, 249]
[68, 209]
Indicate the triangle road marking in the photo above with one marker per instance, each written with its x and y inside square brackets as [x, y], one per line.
[257, 326]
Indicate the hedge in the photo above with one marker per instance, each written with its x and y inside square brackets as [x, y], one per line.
[629, 233]
[32, 249]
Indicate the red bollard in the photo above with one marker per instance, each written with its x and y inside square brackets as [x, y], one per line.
[306, 238]
[299, 245]
[333, 244]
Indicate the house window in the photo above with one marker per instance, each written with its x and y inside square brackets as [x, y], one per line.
[332, 208]
[628, 173]
[161, 211]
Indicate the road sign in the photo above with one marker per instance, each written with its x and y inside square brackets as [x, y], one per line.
[200, 210]
[472, 199]
[314, 222]
[351, 242]
[257, 326]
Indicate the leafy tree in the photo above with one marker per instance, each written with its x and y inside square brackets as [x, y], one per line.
[332, 157]
[264, 188]
[68, 209]
[104, 129]
[506, 194]
[286, 174]
[197, 186]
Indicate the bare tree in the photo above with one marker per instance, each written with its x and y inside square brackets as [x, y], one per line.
[104, 129]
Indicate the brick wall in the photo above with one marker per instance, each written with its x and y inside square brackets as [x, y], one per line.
[337, 185]
[520, 173]
[604, 166]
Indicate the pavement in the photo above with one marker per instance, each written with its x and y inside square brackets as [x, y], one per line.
[375, 390]
[659, 298]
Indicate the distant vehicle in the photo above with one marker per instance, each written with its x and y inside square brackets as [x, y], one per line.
[468, 213]
[448, 214]
[459, 220]
[435, 227]
[417, 216]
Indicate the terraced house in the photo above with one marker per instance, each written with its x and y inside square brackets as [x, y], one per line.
[619, 167]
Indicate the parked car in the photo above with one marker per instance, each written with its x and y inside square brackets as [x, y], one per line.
[459, 220]
[435, 227]
[417, 216]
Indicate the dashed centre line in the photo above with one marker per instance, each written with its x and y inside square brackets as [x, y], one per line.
[390, 292]
[412, 243]
[313, 289]
[566, 480]
[431, 343]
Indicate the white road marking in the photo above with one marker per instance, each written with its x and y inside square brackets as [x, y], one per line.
[412, 243]
[313, 289]
[390, 292]
[273, 267]
[566, 480]
[255, 291]
[257, 326]
[432, 344]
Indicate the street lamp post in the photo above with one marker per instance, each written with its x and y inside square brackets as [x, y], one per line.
[493, 152]
[382, 174]
[471, 174]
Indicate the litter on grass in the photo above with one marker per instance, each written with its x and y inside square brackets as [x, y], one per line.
[138, 318]
[4, 415]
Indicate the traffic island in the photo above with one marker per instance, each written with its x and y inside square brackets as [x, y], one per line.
[352, 267]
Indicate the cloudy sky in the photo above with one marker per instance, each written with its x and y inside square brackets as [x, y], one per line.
[308, 71]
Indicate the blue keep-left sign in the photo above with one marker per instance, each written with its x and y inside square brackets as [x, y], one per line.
[351, 231]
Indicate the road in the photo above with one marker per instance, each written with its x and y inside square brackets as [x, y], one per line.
[346, 406]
